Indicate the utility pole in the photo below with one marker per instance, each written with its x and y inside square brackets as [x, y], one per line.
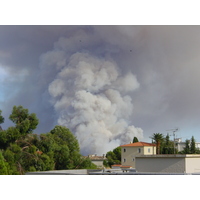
[174, 130]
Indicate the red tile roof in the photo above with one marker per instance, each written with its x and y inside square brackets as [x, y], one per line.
[138, 144]
[126, 166]
[116, 165]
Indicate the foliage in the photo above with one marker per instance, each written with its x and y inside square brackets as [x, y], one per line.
[190, 147]
[187, 147]
[158, 138]
[85, 163]
[135, 140]
[3, 167]
[23, 151]
[167, 146]
[117, 152]
[25, 122]
[64, 145]
[113, 157]
[3, 139]
[163, 144]
[1, 118]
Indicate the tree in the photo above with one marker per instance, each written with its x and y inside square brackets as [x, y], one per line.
[1, 118]
[186, 149]
[158, 138]
[85, 163]
[23, 155]
[23, 151]
[192, 146]
[117, 152]
[167, 146]
[113, 157]
[63, 147]
[25, 122]
[3, 168]
[63, 137]
[110, 159]
[10, 157]
[3, 139]
[135, 140]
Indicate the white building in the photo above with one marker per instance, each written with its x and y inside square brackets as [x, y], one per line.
[97, 160]
[181, 145]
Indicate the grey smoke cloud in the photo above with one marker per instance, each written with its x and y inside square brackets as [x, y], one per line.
[87, 95]
[155, 71]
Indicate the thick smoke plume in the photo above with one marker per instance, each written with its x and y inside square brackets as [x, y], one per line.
[61, 72]
[90, 96]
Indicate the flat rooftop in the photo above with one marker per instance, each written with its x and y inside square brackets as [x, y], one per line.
[170, 156]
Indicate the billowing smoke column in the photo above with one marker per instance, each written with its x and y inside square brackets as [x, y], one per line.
[90, 96]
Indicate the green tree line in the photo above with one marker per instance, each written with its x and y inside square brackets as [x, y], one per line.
[166, 146]
[23, 151]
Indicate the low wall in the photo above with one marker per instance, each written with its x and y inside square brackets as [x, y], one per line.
[60, 172]
[192, 164]
[166, 164]
[171, 163]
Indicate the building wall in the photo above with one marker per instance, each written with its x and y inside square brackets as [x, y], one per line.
[160, 164]
[181, 145]
[149, 150]
[128, 156]
[189, 163]
[98, 163]
[197, 144]
[192, 164]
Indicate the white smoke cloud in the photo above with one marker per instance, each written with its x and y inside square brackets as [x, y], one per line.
[91, 98]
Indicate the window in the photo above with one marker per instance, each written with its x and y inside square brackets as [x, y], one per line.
[124, 159]
[139, 150]
[133, 159]
[149, 150]
[124, 150]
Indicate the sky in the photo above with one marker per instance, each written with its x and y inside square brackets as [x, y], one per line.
[107, 84]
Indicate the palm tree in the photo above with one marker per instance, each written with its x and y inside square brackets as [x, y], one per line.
[158, 138]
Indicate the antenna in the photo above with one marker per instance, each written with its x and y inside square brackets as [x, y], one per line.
[174, 130]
